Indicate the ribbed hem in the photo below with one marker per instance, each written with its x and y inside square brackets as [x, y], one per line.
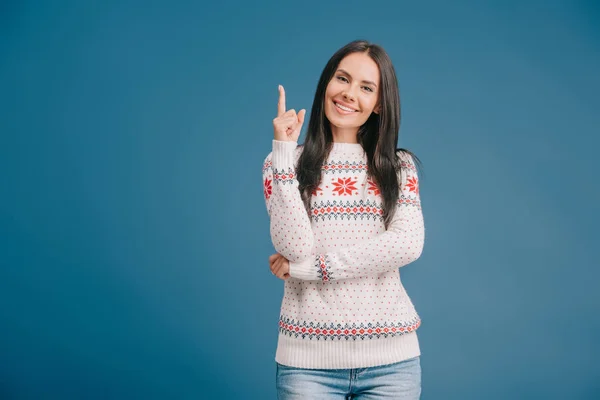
[283, 154]
[305, 270]
[333, 354]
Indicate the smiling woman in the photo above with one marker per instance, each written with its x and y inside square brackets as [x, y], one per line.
[351, 96]
[345, 214]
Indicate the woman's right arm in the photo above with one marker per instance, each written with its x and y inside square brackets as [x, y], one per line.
[291, 230]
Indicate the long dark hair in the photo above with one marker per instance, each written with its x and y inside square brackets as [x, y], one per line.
[378, 136]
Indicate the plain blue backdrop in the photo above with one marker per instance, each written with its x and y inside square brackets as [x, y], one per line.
[133, 232]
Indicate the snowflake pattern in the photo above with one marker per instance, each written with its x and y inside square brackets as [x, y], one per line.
[373, 188]
[344, 186]
[268, 189]
[413, 185]
[317, 191]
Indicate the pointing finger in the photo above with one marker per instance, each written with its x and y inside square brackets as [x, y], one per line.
[281, 103]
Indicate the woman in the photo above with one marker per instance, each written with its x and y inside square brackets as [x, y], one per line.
[345, 215]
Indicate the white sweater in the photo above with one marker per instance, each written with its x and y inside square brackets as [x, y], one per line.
[344, 305]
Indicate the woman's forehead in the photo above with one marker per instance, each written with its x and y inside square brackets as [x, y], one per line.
[360, 66]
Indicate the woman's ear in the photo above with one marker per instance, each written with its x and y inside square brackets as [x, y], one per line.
[376, 109]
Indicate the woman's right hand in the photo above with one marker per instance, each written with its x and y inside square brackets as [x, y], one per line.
[287, 125]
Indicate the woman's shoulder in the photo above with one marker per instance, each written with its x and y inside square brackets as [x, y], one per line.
[405, 155]
[407, 160]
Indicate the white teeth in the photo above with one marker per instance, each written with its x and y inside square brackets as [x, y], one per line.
[344, 108]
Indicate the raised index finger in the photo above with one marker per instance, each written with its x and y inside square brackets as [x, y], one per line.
[281, 102]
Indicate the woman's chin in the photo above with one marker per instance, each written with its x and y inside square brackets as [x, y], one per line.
[341, 122]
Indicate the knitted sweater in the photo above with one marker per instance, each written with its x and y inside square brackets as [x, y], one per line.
[344, 305]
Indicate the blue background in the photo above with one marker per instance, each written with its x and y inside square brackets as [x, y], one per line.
[134, 236]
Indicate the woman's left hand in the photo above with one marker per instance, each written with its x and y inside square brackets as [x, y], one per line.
[280, 266]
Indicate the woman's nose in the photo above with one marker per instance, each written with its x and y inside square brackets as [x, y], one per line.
[348, 96]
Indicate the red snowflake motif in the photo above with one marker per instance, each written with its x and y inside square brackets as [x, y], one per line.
[413, 185]
[268, 189]
[344, 186]
[373, 187]
[316, 191]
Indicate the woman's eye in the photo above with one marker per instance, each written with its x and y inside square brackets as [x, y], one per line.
[342, 78]
[368, 88]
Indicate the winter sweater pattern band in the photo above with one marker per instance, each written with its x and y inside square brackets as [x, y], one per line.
[344, 305]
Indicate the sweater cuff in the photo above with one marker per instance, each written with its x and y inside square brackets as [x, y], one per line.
[304, 270]
[283, 154]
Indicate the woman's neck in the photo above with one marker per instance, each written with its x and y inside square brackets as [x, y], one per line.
[341, 135]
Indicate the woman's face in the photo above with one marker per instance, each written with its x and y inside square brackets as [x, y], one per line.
[352, 94]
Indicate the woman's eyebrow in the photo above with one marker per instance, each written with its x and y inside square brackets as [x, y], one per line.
[367, 82]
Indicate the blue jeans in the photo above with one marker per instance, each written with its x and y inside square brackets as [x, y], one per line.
[398, 381]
